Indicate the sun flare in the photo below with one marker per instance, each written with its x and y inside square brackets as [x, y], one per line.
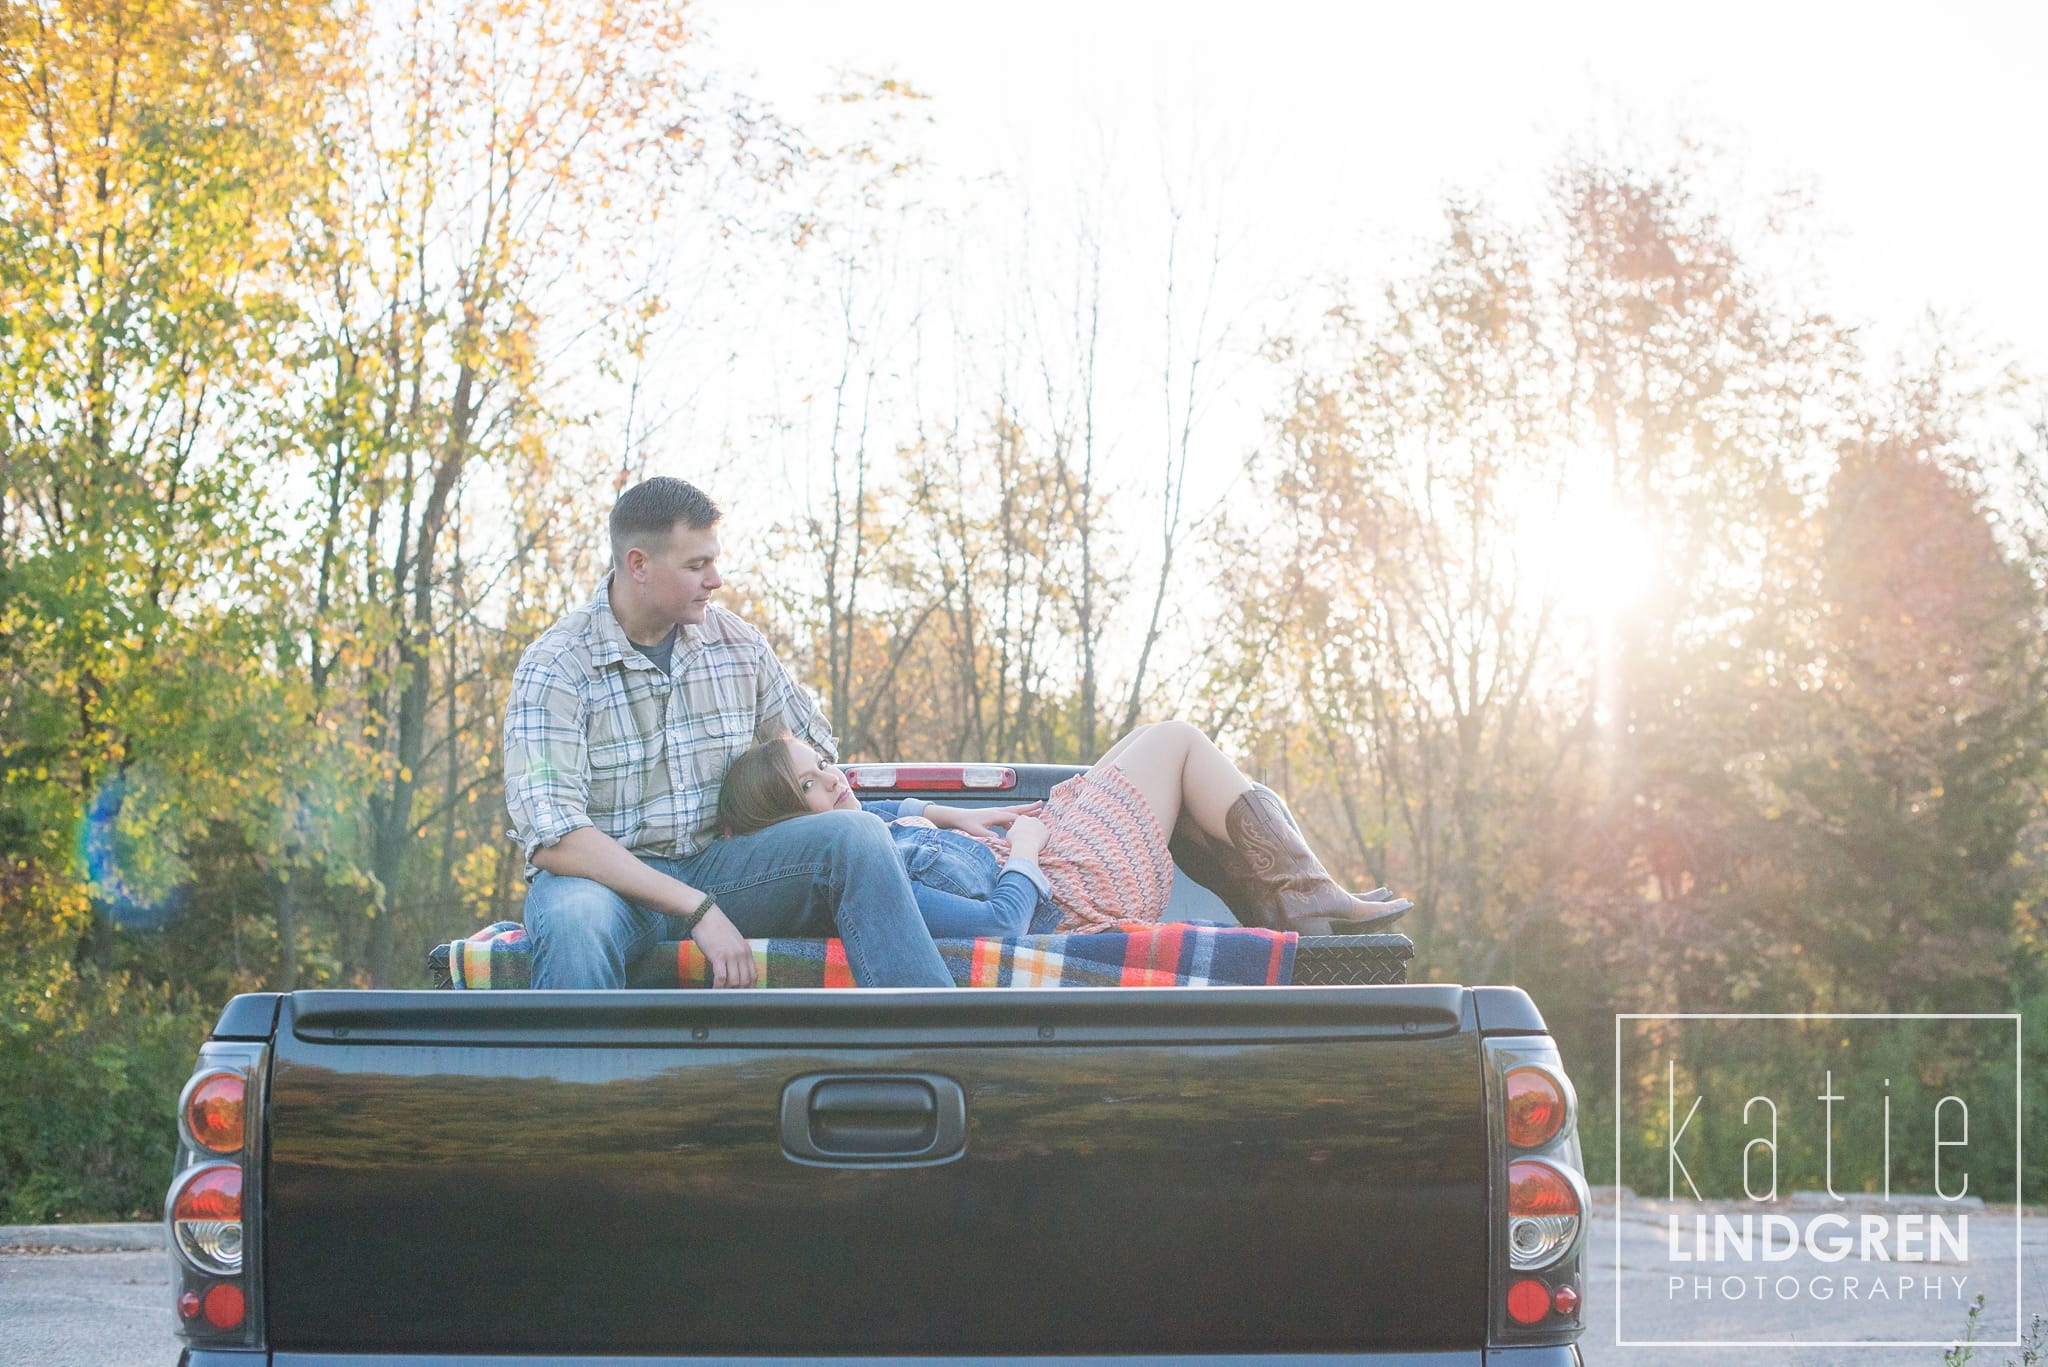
[1589, 556]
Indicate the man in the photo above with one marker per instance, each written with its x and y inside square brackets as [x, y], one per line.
[622, 719]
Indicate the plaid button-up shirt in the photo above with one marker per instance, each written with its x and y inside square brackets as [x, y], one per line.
[596, 735]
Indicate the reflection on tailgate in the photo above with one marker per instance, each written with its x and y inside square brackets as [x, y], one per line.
[1283, 1195]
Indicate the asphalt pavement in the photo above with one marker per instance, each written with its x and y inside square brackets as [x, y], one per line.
[1707, 1329]
[85, 1296]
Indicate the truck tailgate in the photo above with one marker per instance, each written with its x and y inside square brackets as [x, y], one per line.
[1161, 1170]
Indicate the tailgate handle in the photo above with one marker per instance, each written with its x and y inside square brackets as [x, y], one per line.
[873, 1119]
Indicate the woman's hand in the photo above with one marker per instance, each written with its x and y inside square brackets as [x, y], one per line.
[1027, 837]
[986, 822]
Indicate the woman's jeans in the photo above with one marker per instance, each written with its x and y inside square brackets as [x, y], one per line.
[833, 873]
[1009, 910]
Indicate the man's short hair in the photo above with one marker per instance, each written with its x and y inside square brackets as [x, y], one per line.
[650, 510]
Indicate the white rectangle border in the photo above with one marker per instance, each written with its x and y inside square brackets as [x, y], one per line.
[2018, 1168]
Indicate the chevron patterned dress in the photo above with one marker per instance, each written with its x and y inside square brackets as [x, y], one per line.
[1104, 854]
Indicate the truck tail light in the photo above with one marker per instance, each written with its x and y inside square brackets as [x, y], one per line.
[223, 1306]
[212, 1212]
[1545, 1214]
[932, 778]
[1528, 1301]
[1535, 1109]
[212, 1111]
[206, 1218]
[1540, 1198]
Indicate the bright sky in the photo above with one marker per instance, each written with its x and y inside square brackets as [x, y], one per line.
[1918, 130]
[1326, 137]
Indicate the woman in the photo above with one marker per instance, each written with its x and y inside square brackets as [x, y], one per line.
[1100, 855]
[961, 886]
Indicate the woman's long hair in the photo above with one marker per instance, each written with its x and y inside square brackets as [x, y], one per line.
[760, 788]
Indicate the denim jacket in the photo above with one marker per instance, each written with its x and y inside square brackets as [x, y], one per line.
[961, 887]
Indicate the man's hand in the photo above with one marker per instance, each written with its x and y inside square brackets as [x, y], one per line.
[986, 822]
[732, 963]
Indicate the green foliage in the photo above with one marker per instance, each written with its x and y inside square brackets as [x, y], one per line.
[2034, 1098]
[1965, 1351]
[86, 1125]
[90, 1067]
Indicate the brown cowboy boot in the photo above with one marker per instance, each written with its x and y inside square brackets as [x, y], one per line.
[1282, 885]
[1209, 862]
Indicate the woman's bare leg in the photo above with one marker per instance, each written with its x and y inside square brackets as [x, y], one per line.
[1275, 880]
[1114, 752]
[1175, 767]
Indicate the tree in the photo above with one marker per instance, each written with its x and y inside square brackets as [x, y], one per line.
[149, 156]
[472, 241]
[1547, 505]
[1910, 772]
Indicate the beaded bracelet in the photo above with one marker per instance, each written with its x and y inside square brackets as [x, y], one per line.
[704, 908]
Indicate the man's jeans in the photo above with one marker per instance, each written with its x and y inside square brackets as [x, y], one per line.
[833, 873]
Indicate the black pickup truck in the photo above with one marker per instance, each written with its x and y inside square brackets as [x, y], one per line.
[1376, 1173]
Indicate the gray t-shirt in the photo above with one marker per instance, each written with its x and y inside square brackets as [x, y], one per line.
[661, 653]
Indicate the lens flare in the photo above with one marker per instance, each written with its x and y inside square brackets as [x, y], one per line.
[111, 862]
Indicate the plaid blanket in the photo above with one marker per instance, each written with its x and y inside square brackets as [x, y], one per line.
[1163, 956]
